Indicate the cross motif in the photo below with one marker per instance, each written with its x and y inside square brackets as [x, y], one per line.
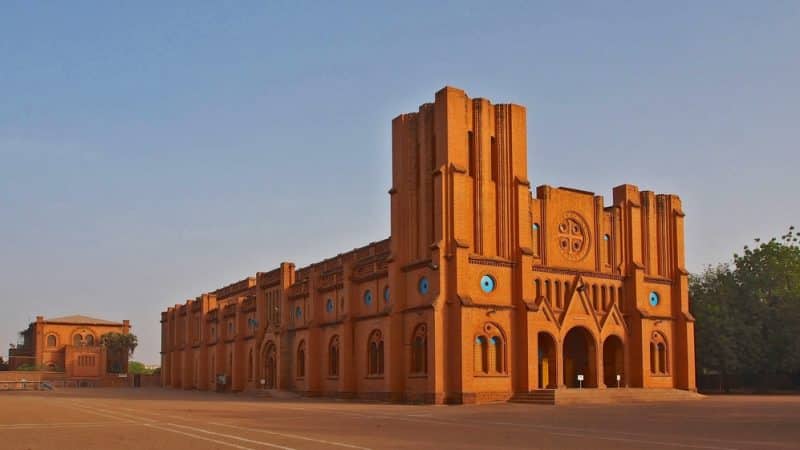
[571, 238]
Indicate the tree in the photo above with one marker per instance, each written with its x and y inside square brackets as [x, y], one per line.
[119, 348]
[748, 315]
[3, 364]
[138, 368]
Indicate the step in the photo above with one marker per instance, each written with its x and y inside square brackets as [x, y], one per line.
[539, 397]
[601, 396]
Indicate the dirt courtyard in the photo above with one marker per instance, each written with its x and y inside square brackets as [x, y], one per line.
[105, 419]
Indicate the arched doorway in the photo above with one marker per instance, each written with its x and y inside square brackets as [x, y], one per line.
[270, 367]
[579, 358]
[547, 361]
[613, 362]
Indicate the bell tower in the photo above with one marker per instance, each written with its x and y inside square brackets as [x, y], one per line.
[455, 167]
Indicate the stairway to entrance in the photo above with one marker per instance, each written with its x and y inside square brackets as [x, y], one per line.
[602, 396]
[538, 397]
[277, 394]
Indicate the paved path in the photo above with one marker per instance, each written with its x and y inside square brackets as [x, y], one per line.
[122, 419]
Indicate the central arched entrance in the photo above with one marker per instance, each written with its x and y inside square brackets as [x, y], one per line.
[547, 361]
[270, 367]
[613, 362]
[579, 358]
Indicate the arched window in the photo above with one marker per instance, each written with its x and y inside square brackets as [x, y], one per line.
[51, 340]
[375, 353]
[652, 357]
[490, 351]
[196, 371]
[380, 357]
[213, 370]
[301, 359]
[372, 364]
[333, 357]
[496, 347]
[481, 362]
[419, 350]
[89, 339]
[659, 360]
[250, 366]
[77, 340]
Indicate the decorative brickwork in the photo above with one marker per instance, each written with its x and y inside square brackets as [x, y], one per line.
[483, 290]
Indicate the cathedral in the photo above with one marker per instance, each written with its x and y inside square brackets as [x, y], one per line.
[485, 289]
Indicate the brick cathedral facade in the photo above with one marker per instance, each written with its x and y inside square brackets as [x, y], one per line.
[483, 290]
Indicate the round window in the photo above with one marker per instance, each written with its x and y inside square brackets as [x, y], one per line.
[423, 285]
[329, 305]
[654, 299]
[386, 294]
[487, 283]
[368, 297]
[535, 227]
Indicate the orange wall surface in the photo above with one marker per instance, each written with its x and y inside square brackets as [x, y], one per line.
[483, 289]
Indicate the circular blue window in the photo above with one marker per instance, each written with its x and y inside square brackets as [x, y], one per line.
[368, 297]
[487, 283]
[423, 285]
[329, 305]
[654, 299]
[386, 294]
[298, 312]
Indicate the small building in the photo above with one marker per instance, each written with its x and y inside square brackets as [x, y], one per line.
[69, 344]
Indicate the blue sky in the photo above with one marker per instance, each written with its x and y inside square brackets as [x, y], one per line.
[149, 153]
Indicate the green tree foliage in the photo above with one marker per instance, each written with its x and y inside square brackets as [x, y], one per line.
[119, 347]
[39, 368]
[138, 368]
[118, 342]
[3, 364]
[748, 314]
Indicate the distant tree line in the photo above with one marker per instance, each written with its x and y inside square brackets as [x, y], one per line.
[747, 331]
[138, 368]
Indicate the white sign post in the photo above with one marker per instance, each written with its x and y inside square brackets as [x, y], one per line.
[619, 377]
[580, 381]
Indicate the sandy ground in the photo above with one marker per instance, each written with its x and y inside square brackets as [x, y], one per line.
[105, 419]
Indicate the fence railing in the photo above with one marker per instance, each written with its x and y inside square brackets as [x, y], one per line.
[24, 385]
[44, 385]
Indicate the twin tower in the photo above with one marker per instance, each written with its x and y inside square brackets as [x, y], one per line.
[483, 291]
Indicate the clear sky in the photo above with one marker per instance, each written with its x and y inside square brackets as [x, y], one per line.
[155, 150]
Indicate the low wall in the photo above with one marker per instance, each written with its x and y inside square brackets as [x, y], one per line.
[60, 379]
[17, 375]
[145, 380]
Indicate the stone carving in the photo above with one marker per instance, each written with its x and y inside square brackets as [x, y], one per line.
[573, 236]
